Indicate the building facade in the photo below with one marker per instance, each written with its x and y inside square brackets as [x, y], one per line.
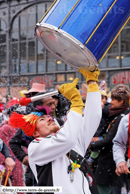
[24, 60]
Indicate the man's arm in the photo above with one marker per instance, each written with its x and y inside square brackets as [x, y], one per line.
[119, 147]
[92, 116]
[5, 151]
[106, 142]
[9, 162]
[65, 139]
[15, 144]
[93, 110]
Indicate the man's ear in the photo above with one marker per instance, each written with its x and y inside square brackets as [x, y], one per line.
[35, 134]
[122, 101]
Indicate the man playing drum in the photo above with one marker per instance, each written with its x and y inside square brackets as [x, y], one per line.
[47, 152]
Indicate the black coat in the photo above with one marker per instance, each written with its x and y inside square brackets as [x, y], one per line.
[104, 121]
[105, 169]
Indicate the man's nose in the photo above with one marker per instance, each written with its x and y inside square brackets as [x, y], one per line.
[49, 119]
[53, 106]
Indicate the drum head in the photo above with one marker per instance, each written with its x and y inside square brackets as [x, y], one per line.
[65, 47]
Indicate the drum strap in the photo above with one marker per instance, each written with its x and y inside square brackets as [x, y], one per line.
[85, 169]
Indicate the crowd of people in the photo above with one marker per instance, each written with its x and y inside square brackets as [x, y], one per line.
[63, 140]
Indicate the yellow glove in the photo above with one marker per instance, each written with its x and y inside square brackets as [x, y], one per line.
[71, 92]
[93, 76]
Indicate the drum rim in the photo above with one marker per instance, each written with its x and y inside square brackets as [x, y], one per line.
[75, 42]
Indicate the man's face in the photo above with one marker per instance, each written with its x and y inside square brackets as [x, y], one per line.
[49, 101]
[116, 103]
[103, 99]
[45, 126]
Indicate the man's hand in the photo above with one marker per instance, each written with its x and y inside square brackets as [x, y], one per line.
[122, 168]
[25, 161]
[95, 139]
[90, 76]
[70, 91]
[9, 162]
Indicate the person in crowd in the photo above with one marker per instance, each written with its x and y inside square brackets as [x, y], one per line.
[101, 131]
[9, 162]
[121, 149]
[47, 153]
[8, 98]
[1, 115]
[105, 175]
[35, 89]
[20, 139]
[105, 115]
[62, 106]
[6, 133]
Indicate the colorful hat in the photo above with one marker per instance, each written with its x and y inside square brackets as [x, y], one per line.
[104, 93]
[36, 87]
[26, 122]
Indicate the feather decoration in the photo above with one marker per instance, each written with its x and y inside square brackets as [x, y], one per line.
[44, 109]
[26, 122]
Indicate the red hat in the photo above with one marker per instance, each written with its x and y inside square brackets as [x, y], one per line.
[26, 122]
[36, 87]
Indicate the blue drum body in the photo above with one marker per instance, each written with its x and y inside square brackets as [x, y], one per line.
[90, 26]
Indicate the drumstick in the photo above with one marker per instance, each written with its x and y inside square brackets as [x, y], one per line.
[7, 176]
[24, 101]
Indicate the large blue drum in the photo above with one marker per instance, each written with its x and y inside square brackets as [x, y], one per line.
[79, 32]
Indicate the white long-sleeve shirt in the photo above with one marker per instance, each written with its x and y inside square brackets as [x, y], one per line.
[75, 134]
[120, 140]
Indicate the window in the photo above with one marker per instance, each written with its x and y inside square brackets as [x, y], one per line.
[41, 57]
[125, 40]
[3, 81]
[40, 11]
[23, 52]
[60, 77]
[14, 67]
[31, 50]
[115, 47]
[32, 17]
[3, 50]
[3, 70]
[32, 67]
[23, 22]
[2, 26]
[69, 68]
[51, 66]
[113, 61]
[15, 23]
[23, 80]
[2, 53]
[14, 52]
[23, 35]
[103, 63]
[125, 60]
[14, 36]
[102, 76]
[23, 67]
[128, 23]
[30, 34]
[60, 65]
[15, 80]
[69, 76]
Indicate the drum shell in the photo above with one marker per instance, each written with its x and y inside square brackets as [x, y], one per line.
[86, 17]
